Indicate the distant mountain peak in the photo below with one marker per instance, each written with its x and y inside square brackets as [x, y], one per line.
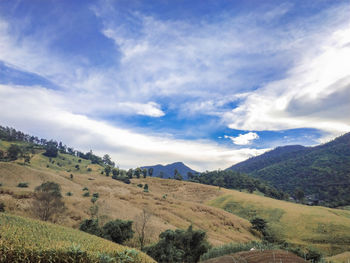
[168, 170]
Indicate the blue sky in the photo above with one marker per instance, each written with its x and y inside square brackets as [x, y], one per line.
[209, 83]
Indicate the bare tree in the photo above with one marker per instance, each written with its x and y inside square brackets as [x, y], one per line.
[141, 225]
[48, 201]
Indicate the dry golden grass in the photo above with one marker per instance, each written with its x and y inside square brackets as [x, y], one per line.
[174, 204]
[340, 258]
[181, 207]
[325, 228]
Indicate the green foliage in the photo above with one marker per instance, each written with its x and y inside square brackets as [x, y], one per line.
[91, 226]
[89, 169]
[13, 151]
[22, 185]
[69, 194]
[51, 149]
[118, 231]
[259, 224]
[321, 172]
[140, 185]
[127, 256]
[85, 189]
[2, 207]
[179, 246]
[235, 180]
[86, 194]
[145, 188]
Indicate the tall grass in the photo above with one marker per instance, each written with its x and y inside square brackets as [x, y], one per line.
[27, 240]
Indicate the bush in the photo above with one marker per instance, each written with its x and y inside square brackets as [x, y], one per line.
[179, 246]
[22, 185]
[118, 231]
[96, 195]
[0, 184]
[2, 207]
[86, 194]
[89, 169]
[69, 194]
[85, 189]
[140, 185]
[91, 226]
[145, 188]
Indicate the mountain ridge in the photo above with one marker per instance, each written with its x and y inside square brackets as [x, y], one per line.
[168, 170]
[321, 171]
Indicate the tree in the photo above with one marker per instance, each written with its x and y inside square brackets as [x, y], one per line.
[299, 195]
[48, 201]
[138, 172]
[13, 152]
[108, 170]
[144, 172]
[259, 224]
[118, 231]
[179, 246]
[2, 155]
[130, 172]
[141, 226]
[107, 160]
[150, 172]
[115, 172]
[51, 149]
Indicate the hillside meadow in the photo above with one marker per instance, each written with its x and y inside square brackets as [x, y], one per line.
[223, 214]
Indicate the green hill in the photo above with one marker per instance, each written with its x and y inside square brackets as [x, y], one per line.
[321, 172]
[28, 240]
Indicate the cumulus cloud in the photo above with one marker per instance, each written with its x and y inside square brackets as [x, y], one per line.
[39, 111]
[314, 94]
[243, 139]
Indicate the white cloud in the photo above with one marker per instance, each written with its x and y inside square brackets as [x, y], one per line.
[243, 139]
[314, 94]
[39, 111]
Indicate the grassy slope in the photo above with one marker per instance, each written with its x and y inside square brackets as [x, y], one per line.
[185, 203]
[325, 228]
[25, 233]
[341, 258]
[181, 207]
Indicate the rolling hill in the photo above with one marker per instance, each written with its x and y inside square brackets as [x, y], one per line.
[167, 171]
[27, 240]
[322, 172]
[224, 214]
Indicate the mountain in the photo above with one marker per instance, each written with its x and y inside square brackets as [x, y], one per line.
[166, 171]
[321, 172]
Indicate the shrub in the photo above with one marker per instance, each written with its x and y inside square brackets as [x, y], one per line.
[140, 185]
[118, 231]
[89, 169]
[85, 189]
[91, 226]
[179, 246]
[2, 207]
[145, 188]
[0, 184]
[22, 185]
[69, 194]
[96, 195]
[86, 194]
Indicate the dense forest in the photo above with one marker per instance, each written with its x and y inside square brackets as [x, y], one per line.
[322, 173]
[236, 180]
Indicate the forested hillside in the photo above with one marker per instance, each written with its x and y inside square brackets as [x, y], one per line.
[322, 172]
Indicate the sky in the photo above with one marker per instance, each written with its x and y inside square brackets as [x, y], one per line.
[206, 82]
